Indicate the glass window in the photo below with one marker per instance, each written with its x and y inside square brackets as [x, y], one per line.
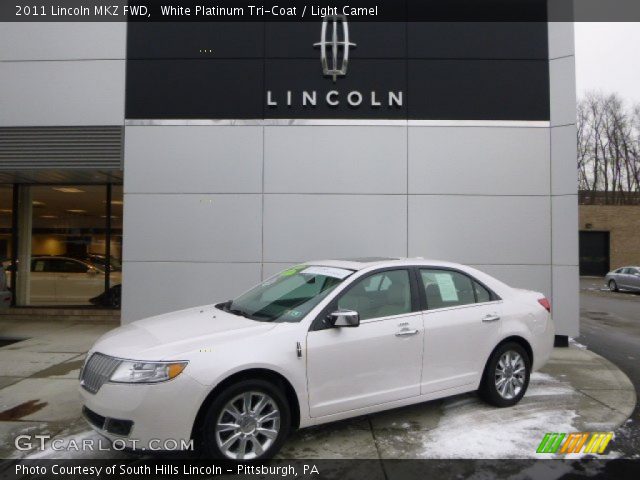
[482, 294]
[444, 288]
[288, 296]
[379, 295]
[74, 246]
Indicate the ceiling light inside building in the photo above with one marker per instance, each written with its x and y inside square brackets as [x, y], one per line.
[68, 190]
[75, 210]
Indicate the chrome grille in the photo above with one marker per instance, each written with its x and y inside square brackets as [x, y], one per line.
[97, 371]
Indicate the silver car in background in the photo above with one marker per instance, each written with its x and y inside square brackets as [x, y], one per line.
[624, 278]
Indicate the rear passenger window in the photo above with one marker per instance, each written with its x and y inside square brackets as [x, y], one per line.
[445, 288]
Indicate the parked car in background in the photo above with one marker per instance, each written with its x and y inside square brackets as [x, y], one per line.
[316, 343]
[5, 293]
[99, 260]
[624, 278]
[57, 280]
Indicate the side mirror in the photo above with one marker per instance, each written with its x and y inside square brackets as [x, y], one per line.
[344, 318]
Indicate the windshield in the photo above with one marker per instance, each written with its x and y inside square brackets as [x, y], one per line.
[289, 295]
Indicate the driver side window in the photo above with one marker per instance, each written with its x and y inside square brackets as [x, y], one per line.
[379, 295]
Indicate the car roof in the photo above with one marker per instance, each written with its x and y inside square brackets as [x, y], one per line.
[380, 262]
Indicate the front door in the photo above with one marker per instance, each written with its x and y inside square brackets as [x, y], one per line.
[377, 362]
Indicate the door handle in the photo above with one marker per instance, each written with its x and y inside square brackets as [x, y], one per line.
[490, 318]
[405, 332]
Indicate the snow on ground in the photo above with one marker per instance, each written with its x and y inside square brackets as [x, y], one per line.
[470, 429]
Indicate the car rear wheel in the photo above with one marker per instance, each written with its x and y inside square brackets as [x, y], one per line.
[248, 421]
[613, 286]
[506, 375]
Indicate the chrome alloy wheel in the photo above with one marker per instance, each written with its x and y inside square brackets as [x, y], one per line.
[247, 426]
[510, 375]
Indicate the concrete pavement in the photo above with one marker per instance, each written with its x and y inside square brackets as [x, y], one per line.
[610, 326]
[577, 391]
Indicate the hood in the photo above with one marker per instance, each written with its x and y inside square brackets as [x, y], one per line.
[164, 336]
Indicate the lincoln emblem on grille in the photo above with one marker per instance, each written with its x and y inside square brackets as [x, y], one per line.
[333, 64]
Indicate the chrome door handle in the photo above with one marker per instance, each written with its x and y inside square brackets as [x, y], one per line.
[490, 318]
[406, 332]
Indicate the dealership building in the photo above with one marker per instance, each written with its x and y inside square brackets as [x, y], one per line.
[205, 157]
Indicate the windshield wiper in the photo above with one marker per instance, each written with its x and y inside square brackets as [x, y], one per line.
[242, 313]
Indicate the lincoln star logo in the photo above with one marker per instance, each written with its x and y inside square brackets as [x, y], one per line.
[333, 44]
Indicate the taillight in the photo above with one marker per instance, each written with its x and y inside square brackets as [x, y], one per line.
[545, 303]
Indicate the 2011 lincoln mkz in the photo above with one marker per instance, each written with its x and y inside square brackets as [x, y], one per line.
[319, 342]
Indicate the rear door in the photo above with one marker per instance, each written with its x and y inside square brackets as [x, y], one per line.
[634, 279]
[461, 327]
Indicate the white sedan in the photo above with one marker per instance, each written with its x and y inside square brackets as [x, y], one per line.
[319, 342]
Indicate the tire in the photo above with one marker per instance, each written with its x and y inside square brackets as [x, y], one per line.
[613, 286]
[514, 383]
[217, 443]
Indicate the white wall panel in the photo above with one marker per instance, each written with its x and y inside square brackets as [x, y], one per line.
[337, 159]
[529, 277]
[151, 288]
[562, 78]
[561, 39]
[312, 227]
[564, 229]
[478, 160]
[480, 230]
[63, 40]
[62, 93]
[565, 304]
[564, 169]
[193, 159]
[193, 228]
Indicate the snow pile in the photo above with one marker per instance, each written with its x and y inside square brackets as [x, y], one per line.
[470, 429]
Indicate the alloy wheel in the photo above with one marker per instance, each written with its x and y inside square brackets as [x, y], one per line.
[247, 426]
[510, 375]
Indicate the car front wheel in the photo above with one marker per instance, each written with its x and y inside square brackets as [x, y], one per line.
[249, 420]
[613, 286]
[506, 376]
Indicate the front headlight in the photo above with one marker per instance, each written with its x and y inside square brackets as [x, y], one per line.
[146, 372]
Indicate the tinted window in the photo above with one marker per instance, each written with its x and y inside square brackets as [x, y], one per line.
[40, 265]
[380, 295]
[445, 288]
[482, 294]
[68, 266]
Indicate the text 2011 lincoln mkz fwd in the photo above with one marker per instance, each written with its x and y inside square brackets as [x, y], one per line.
[318, 342]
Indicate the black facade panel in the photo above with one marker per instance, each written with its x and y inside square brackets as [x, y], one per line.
[479, 89]
[194, 88]
[195, 39]
[496, 40]
[483, 71]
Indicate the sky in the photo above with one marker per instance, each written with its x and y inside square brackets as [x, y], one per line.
[608, 58]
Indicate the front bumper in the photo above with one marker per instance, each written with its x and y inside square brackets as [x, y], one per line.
[145, 416]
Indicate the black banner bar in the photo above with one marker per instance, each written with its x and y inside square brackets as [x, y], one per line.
[308, 10]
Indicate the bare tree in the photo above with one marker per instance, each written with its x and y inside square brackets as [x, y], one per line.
[608, 149]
